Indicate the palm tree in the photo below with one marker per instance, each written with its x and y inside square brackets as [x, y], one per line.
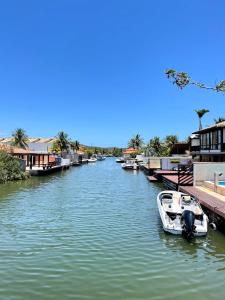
[201, 113]
[136, 142]
[154, 146]
[218, 120]
[62, 141]
[131, 143]
[170, 141]
[75, 145]
[20, 138]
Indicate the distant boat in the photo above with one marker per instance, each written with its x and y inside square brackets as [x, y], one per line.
[92, 160]
[130, 164]
[101, 157]
[181, 214]
[120, 160]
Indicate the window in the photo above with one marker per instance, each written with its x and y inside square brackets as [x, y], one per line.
[211, 140]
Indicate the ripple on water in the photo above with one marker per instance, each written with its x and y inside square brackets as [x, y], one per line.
[94, 233]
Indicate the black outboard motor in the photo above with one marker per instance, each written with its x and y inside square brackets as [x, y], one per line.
[187, 221]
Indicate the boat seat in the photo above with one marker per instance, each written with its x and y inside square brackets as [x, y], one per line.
[166, 198]
[186, 199]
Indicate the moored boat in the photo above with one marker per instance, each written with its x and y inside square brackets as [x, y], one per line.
[92, 159]
[181, 214]
[130, 164]
[100, 157]
[120, 160]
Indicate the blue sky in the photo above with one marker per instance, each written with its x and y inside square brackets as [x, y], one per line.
[95, 68]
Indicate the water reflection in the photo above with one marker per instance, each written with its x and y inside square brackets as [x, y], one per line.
[9, 188]
[99, 224]
[212, 246]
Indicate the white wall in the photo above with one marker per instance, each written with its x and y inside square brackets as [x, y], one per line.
[205, 171]
[65, 161]
[167, 162]
[154, 162]
[40, 147]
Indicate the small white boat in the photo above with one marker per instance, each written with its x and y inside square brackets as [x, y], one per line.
[92, 160]
[130, 164]
[100, 157]
[120, 160]
[181, 214]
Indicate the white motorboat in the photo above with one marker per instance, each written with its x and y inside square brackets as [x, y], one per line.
[120, 160]
[92, 159]
[181, 214]
[130, 164]
[100, 157]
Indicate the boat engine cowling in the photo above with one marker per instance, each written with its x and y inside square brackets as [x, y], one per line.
[188, 220]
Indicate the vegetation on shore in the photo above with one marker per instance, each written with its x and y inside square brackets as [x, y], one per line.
[161, 147]
[20, 138]
[155, 146]
[10, 168]
[136, 142]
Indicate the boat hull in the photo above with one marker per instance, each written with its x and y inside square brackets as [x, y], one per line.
[175, 226]
[92, 160]
[120, 161]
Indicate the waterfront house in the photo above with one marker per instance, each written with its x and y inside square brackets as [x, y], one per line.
[42, 145]
[129, 152]
[208, 144]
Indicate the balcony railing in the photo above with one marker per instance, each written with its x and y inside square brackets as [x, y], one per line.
[185, 175]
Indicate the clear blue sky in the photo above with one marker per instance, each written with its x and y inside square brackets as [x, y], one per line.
[95, 68]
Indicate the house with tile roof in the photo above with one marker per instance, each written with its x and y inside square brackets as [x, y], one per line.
[208, 144]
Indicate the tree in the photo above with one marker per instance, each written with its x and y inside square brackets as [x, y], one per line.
[156, 147]
[219, 119]
[170, 141]
[55, 148]
[75, 145]
[131, 143]
[136, 142]
[19, 138]
[201, 113]
[117, 152]
[62, 141]
[182, 79]
[10, 168]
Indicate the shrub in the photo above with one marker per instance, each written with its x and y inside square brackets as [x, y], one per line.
[10, 168]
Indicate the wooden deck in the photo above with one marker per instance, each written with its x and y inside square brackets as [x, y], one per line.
[214, 207]
[47, 171]
[170, 181]
[165, 172]
[209, 201]
[152, 178]
[172, 178]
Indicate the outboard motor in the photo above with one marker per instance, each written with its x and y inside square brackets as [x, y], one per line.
[188, 220]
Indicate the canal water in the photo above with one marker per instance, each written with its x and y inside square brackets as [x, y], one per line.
[94, 232]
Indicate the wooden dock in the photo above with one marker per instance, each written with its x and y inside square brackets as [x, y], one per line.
[165, 172]
[207, 200]
[211, 203]
[47, 171]
[170, 182]
[147, 170]
[152, 178]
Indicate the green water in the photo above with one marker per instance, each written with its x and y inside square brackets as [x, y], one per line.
[94, 232]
